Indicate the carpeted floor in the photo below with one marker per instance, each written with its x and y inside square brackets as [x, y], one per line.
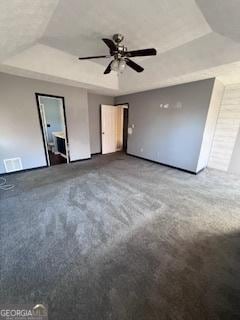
[119, 238]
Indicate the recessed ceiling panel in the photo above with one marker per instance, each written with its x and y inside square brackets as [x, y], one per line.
[22, 22]
[78, 26]
[49, 61]
[204, 53]
[223, 16]
[44, 38]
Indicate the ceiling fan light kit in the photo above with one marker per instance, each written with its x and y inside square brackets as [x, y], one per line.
[118, 65]
[121, 55]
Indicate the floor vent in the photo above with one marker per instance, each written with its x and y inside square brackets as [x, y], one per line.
[13, 164]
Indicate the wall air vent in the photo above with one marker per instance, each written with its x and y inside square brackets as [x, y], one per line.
[13, 164]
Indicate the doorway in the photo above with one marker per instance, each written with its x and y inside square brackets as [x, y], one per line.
[114, 126]
[52, 118]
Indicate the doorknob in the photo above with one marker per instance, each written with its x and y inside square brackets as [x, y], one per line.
[102, 132]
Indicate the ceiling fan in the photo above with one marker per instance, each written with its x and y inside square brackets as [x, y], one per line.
[121, 55]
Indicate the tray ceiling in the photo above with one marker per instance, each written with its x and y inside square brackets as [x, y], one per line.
[194, 39]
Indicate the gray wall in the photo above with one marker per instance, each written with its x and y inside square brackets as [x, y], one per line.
[170, 135]
[20, 134]
[94, 102]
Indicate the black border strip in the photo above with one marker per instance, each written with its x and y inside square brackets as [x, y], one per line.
[78, 160]
[23, 170]
[95, 154]
[166, 165]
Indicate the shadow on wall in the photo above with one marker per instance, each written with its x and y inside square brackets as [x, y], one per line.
[146, 278]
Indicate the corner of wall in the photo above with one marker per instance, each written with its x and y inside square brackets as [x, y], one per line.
[210, 126]
[224, 145]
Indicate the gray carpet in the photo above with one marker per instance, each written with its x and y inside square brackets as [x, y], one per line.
[121, 238]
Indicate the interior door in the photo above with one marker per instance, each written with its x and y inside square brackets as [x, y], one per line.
[109, 128]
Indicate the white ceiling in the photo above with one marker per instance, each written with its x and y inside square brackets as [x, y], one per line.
[195, 40]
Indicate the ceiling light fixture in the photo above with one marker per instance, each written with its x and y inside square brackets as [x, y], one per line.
[118, 65]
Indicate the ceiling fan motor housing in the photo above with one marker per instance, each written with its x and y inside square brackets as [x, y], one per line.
[121, 49]
[117, 37]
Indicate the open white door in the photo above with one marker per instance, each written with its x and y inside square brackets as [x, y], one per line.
[112, 128]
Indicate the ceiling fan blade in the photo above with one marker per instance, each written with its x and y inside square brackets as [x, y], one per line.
[134, 65]
[93, 57]
[141, 53]
[108, 69]
[111, 45]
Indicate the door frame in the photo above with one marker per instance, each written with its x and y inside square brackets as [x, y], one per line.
[37, 95]
[125, 104]
[100, 119]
